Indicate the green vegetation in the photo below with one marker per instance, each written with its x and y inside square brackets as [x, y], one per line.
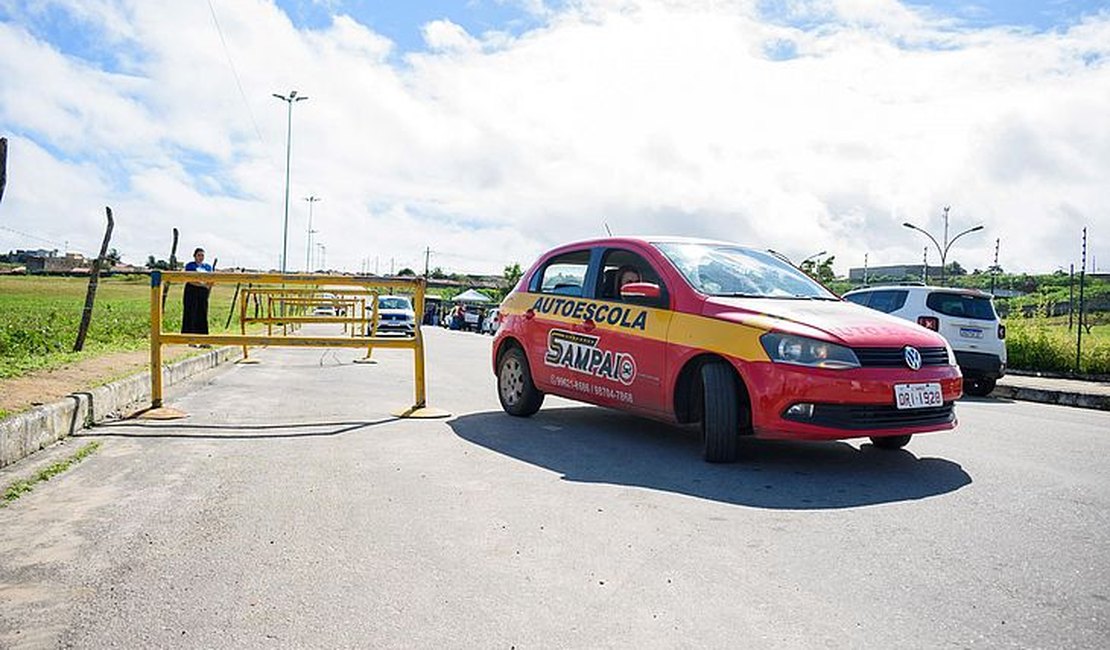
[23, 486]
[39, 317]
[1046, 344]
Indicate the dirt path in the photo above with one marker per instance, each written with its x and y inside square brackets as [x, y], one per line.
[46, 386]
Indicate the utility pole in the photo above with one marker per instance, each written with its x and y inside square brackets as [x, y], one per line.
[290, 100]
[865, 269]
[308, 253]
[427, 255]
[1079, 317]
[391, 267]
[925, 267]
[1071, 295]
[994, 269]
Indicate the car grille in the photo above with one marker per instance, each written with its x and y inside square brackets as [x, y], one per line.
[857, 417]
[895, 358]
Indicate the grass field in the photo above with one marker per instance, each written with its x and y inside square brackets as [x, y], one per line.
[39, 317]
[1046, 344]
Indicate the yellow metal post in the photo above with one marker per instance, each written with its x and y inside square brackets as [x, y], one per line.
[155, 340]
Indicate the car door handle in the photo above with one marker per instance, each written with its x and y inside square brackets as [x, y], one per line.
[530, 314]
[585, 326]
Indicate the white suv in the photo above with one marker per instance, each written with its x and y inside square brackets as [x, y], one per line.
[965, 317]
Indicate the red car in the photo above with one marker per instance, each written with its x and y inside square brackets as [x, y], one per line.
[735, 338]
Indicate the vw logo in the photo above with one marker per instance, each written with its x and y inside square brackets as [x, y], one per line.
[912, 356]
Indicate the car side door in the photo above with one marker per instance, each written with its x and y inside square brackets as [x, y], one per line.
[552, 295]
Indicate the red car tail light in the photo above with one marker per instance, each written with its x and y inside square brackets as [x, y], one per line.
[931, 322]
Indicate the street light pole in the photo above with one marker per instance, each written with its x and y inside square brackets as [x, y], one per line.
[943, 250]
[290, 100]
[308, 252]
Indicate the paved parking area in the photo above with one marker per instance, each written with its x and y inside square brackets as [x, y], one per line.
[291, 510]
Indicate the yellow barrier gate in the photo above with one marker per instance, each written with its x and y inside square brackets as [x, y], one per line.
[305, 289]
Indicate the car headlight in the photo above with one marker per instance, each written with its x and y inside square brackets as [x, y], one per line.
[802, 351]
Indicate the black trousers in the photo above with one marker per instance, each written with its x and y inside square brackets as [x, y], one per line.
[194, 317]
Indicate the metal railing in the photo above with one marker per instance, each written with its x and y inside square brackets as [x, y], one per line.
[295, 295]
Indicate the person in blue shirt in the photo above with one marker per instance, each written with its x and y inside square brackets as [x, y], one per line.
[194, 317]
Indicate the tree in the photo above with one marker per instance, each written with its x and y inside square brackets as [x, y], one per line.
[821, 271]
[406, 272]
[512, 273]
[112, 258]
[954, 268]
[161, 265]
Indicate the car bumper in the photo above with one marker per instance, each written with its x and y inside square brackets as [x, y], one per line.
[385, 326]
[980, 365]
[847, 404]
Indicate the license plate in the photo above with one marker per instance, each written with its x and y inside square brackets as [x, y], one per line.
[917, 396]
[971, 332]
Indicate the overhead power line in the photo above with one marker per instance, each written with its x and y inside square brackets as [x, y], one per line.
[234, 72]
[30, 236]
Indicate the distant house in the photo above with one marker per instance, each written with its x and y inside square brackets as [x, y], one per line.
[896, 272]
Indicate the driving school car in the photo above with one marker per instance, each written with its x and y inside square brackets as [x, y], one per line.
[733, 338]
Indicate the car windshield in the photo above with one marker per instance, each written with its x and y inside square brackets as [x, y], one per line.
[728, 270]
[392, 302]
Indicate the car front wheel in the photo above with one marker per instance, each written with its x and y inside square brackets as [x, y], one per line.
[720, 423]
[517, 392]
[979, 387]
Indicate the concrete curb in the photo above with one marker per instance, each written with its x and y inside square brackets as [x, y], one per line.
[1063, 398]
[25, 433]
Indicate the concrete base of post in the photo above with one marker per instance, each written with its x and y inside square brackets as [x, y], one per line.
[366, 361]
[420, 413]
[248, 361]
[161, 413]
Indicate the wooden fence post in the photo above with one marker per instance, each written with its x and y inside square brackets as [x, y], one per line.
[94, 279]
[173, 267]
[3, 166]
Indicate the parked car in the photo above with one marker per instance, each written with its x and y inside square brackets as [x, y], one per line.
[966, 318]
[324, 310]
[395, 314]
[719, 334]
[492, 321]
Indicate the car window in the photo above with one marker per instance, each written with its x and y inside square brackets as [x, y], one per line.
[728, 270]
[859, 298]
[392, 302]
[888, 301]
[618, 263]
[565, 274]
[961, 305]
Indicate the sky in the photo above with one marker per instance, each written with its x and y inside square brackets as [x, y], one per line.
[483, 132]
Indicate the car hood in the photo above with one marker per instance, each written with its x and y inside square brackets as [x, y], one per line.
[835, 321]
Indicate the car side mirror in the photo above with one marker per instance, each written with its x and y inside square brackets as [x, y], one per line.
[642, 290]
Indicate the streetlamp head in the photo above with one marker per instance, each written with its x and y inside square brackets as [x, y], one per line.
[909, 225]
[281, 97]
[976, 228]
[292, 94]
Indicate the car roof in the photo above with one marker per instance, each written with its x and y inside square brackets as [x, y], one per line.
[650, 239]
[922, 287]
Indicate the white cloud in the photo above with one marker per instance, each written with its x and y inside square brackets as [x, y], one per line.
[651, 116]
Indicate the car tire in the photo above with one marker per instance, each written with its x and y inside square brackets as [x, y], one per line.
[979, 387]
[515, 388]
[720, 422]
[891, 442]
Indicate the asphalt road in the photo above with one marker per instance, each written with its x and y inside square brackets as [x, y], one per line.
[290, 510]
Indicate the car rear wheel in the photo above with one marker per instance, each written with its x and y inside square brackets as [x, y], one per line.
[891, 442]
[979, 387]
[720, 422]
[517, 392]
